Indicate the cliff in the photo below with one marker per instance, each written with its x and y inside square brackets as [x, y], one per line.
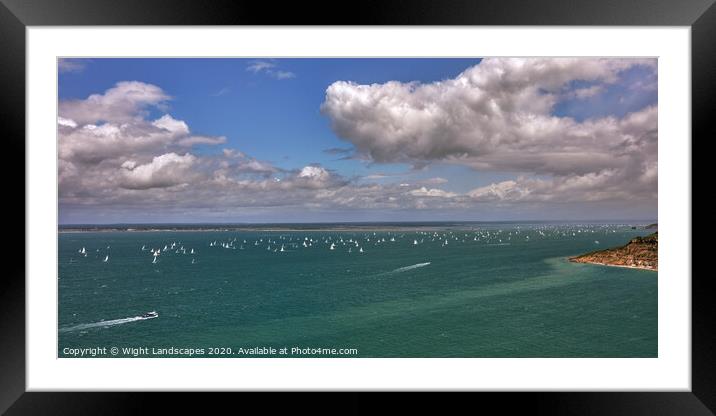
[640, 252]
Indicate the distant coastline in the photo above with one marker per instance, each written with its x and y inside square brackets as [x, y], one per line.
[238, 229]
[314, 227]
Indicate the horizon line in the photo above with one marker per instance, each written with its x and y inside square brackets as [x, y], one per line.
[651, 220]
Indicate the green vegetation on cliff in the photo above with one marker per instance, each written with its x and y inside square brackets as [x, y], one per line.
[640, 252]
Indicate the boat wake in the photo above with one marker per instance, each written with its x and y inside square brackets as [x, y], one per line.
[406, 268]
[113, 322]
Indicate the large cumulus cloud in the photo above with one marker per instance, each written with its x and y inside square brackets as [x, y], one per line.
[499, 116]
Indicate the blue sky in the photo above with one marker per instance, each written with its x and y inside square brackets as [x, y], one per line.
[338, 115]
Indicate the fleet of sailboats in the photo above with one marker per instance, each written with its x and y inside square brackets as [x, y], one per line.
[355, 242]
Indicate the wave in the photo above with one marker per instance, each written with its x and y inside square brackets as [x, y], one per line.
[406, 268]
[106, 323]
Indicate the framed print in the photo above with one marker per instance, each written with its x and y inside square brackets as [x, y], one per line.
[451, 198]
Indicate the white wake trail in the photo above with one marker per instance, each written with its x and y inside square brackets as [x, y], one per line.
[406, 268]
[106, 323]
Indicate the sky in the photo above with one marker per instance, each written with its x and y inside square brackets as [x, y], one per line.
[335, 140]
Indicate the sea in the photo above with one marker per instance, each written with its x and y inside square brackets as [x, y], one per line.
[351, 291]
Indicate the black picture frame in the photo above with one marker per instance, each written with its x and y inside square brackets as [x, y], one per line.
[16, 15]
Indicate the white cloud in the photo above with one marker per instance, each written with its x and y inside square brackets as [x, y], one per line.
[435, 181]
[258, 66]
[112, 125]
[496, 116]
[134, 161]
[606, 185]
[70, 65]
[91, 144]
[497, 106]
[283, 74]
[313, 172]
[129, 164]
[99, 159]
[163, 171]
[588, 92]
[433, 192]
[66, 122]
[270, 69]
[192, 140]
[256, 166]
[120, 104]
[168, 123]
[498, 191]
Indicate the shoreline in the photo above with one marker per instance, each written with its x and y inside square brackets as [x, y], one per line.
[624, 266]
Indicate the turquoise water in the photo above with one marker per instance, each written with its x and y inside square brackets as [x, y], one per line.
[494, 290]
